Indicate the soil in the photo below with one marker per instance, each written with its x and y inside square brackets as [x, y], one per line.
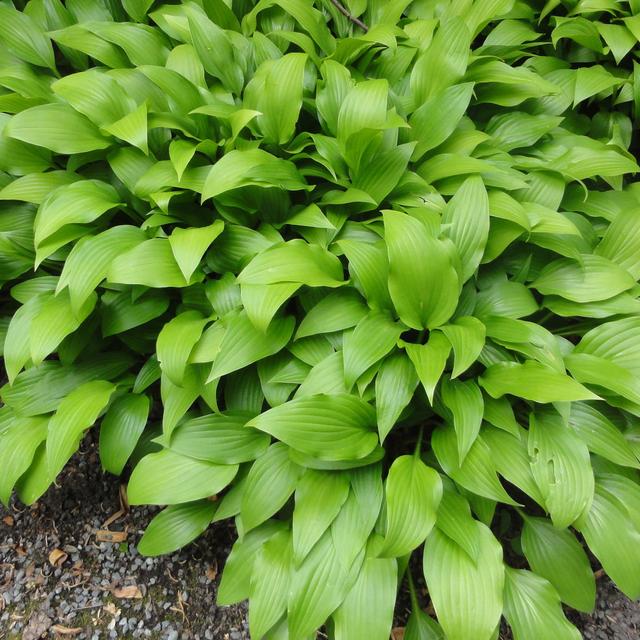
[58, 580]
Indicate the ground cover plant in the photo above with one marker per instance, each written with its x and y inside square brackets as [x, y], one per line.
[363, 276]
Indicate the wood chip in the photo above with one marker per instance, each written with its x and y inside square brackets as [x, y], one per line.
[9, 521]
[57, 557]
[104, 535]
[212, 571]
[128, 592]
[66, 631]
[397, 633]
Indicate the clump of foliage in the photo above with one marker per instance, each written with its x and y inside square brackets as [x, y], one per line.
[366, 272]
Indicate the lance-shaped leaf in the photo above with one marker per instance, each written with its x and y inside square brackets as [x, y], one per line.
[121, 429]
[556, 555]
[532, 381]
[561, 467]
[24, 37]
[319, 498]
[79, 202]
[251, 167]
[372, 339]
[424, 292]
[467, 337]
[88, 261]
[271, 481]
[329, 427]
[270, 583]
[413, 493]
[175, 342]
[395, 385]
[189, 245]
[429, 360]
[466, 220]
[296, 262]
[175, 527]
[243, 344]
[464, 400]
[169, 478]
[532, 608]
[341, 309]
[367, 611]
[466, 595]
[19, 443]
[220, 438]
[58, 127]
[77, 412]
[150, 263]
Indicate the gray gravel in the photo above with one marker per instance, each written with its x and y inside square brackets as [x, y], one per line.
[175, 594]
[85, 590]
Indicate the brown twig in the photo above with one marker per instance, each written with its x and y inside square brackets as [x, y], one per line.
[346, 14]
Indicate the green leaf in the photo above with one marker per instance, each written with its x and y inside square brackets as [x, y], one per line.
[121, 429]
[466, 223]
[175, 527]
[437, 118]
[221, 438]
[296, 262]
[373, 337]
[621, 241]
[429, 360]
[270, 483]
[532, 608]
[87, 263]
[34, 187]
[466, 595]
[424, 293]
[561, 467]
[600, 435]
[132, 128]
[464, 400]
[57, 127]
[243, 344]
[170, 478]
[556, 555]
[80, 202]
[250, 167]
[595, 279]
[190, 245]
[76, 413]
[317, 588]
[19, 444]
[367, 611]
[176, 341]
[339, 310]
[236, 578]
[270, 583]
[329, 427]
[467, 336]
[532, 381]
[395, 385]
[281, 98]
[413, 493]
[23, 37]
[150, 263]
[318, 500]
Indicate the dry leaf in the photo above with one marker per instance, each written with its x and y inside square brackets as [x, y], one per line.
[104, 535]
[66, 631]
[128, 592]
[397, 633]
[212, 571]
[9, 521]
[111, 609]
[57, 557]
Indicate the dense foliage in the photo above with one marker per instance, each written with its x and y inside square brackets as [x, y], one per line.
[359, 276]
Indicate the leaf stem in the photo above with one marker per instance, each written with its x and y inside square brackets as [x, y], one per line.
[419, 443]
[351, 17]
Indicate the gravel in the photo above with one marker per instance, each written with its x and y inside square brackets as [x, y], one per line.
[175, 593]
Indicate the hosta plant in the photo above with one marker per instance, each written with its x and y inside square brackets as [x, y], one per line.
[362, 276]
